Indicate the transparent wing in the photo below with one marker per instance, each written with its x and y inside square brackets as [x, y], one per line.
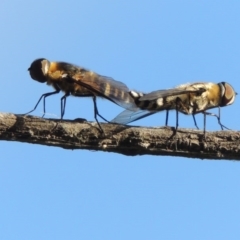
[128, 116]
[167, 93]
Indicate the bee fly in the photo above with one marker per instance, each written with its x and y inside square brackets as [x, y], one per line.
[79, 82]
[189, 98]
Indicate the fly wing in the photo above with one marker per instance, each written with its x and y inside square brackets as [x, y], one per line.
[167, 93]
[105, 87]
[128, 116]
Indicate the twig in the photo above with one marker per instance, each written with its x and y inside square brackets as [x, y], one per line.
[127, 140]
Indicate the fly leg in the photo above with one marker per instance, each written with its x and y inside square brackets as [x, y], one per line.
[44, 102]
[195, 122]
[63, 104]
[188, 111]
[218, 118]
[204, 125]
[178, 104]
[96, 113]
[166, 121]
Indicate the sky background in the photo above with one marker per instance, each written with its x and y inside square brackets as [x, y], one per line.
[53, 193]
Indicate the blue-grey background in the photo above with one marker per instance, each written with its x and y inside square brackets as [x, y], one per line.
[52, 193]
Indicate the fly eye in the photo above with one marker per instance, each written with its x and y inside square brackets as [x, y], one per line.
[229, 95]
[37, 70]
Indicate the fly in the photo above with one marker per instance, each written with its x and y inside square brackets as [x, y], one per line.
[188, 99]
[79, 82]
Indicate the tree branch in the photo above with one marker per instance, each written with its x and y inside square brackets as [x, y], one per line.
[127, 140]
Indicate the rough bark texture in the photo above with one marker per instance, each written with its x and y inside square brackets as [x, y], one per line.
[127, 140]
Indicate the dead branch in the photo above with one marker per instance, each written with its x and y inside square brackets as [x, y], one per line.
[127, 140]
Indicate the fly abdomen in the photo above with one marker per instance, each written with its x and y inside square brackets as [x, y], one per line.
[141, 104]
[151, 105]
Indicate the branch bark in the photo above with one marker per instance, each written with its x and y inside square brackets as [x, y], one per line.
[127, 140]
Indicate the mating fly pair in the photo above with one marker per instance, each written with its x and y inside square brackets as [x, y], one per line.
[79, 82]
[189, 98]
